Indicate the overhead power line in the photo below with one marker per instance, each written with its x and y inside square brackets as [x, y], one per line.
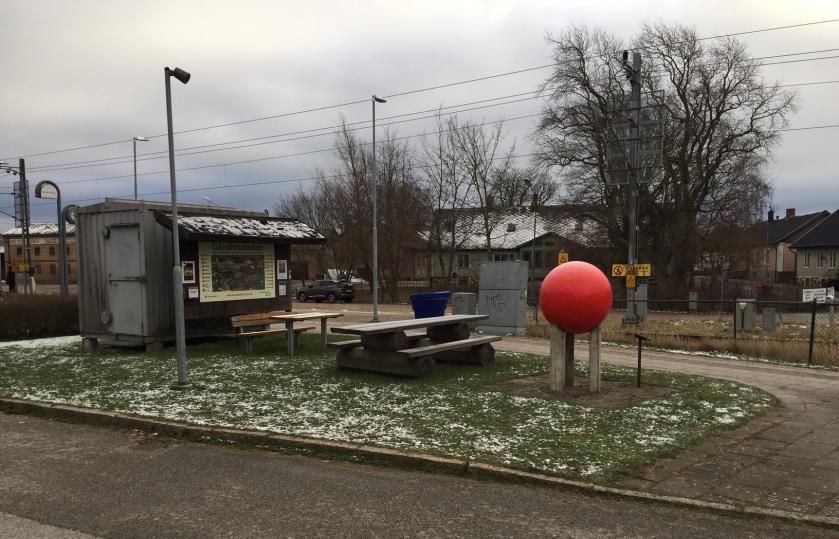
[319, 177]
[398, 94]
[328, 130]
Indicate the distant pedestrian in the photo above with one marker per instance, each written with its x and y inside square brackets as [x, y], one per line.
[10, 280]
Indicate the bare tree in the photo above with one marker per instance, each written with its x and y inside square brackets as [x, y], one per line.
[480, 158]
[403, 209]
[721, 121]
[516, 186]
[448, 191]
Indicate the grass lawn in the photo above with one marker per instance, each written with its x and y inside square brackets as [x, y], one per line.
[452, 413]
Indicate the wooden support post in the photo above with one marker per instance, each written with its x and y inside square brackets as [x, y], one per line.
[594, 360]
[562, 360]
[569, 360]
[89, 344]
[557, 359]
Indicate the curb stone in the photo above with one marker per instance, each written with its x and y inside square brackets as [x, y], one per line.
[96, 417]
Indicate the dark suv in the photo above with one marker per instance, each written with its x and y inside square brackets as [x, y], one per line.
[330, 291]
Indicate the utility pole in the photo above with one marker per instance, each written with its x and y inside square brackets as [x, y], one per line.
[24, 226]
[633, 73]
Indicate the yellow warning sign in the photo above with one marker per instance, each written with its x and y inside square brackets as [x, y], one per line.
[562, 258]
[630, 281]
[618, 270]
[23, 267]
[640, 270]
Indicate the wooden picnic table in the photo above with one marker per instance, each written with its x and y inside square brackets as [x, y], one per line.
[291, 318]
[386, 347]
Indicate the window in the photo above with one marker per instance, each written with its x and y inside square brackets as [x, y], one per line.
[19, 251]
[37, 268]
[820, 259]
[68, 251]
[69, 269]
[52, 250]
[52, 269]
[806, 259]
[538, 259]
[834, 258]
[463, 261]
[37, 251]
[504, 257]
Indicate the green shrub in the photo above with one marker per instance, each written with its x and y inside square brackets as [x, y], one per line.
[31, 316]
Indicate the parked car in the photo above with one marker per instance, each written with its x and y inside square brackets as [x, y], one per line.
[326, 290]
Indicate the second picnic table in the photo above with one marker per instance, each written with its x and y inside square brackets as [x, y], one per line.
[386, 347]
[291, 318]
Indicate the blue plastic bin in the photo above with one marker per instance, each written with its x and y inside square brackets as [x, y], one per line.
[430, 304]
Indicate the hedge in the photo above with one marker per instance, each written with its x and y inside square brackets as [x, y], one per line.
[25, 316]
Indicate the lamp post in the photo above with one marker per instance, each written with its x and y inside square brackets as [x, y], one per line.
[375, 284]
[177, 272]
[530, 187]
[134, 140]
[47, 189]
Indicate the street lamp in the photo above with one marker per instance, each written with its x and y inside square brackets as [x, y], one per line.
[48, 190]
[533, 208]
[375, 285]
[177, 272]
[134, 140]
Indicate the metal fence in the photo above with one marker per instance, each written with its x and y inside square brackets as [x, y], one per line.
[780, 330]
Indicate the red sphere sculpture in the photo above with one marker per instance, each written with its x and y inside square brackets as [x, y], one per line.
[576, 296]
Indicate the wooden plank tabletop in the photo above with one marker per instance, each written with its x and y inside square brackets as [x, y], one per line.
[413, 323]
[305, 316]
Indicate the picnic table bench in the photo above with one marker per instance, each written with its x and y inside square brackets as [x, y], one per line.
[387, 347]
[252, 326]
[291, 318]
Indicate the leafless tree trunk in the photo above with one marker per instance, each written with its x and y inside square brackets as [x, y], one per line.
[721, 121]
[480, 158]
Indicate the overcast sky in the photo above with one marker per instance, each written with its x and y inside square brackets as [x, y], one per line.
[77, 73]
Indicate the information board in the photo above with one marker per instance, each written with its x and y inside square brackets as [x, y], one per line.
[236, 271]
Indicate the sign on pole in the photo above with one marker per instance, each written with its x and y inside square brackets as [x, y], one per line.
[618, 270]
[562, 258]
[820, 295]
[630, 281]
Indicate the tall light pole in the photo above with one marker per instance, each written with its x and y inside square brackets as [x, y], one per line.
[48, 189]
[533, 208]
[374, 180]
[134, 140]
[177, 272]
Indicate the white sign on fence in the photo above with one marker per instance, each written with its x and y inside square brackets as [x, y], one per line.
[821, 295]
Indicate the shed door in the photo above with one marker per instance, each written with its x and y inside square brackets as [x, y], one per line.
[126, 281]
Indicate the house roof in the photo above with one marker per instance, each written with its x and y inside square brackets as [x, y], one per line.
[268, 228]
[514, 227]
[40, 229]
[825, 234]
[782, 229]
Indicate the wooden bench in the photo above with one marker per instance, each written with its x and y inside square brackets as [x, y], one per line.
[252, 326]
[387, 347]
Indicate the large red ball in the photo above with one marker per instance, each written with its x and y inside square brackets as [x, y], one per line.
[576, 296]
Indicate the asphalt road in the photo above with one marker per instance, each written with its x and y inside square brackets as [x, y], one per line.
[65, 480]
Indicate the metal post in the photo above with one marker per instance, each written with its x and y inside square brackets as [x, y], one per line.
[374, 181]
[634, 154]
[533, 259]
[134, 140]
[734, 305]
[812, 333]
[62, 247]
[24, 222]
[638, 374]
[177, 272]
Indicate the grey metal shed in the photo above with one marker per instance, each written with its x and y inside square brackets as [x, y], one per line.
[235, 262]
